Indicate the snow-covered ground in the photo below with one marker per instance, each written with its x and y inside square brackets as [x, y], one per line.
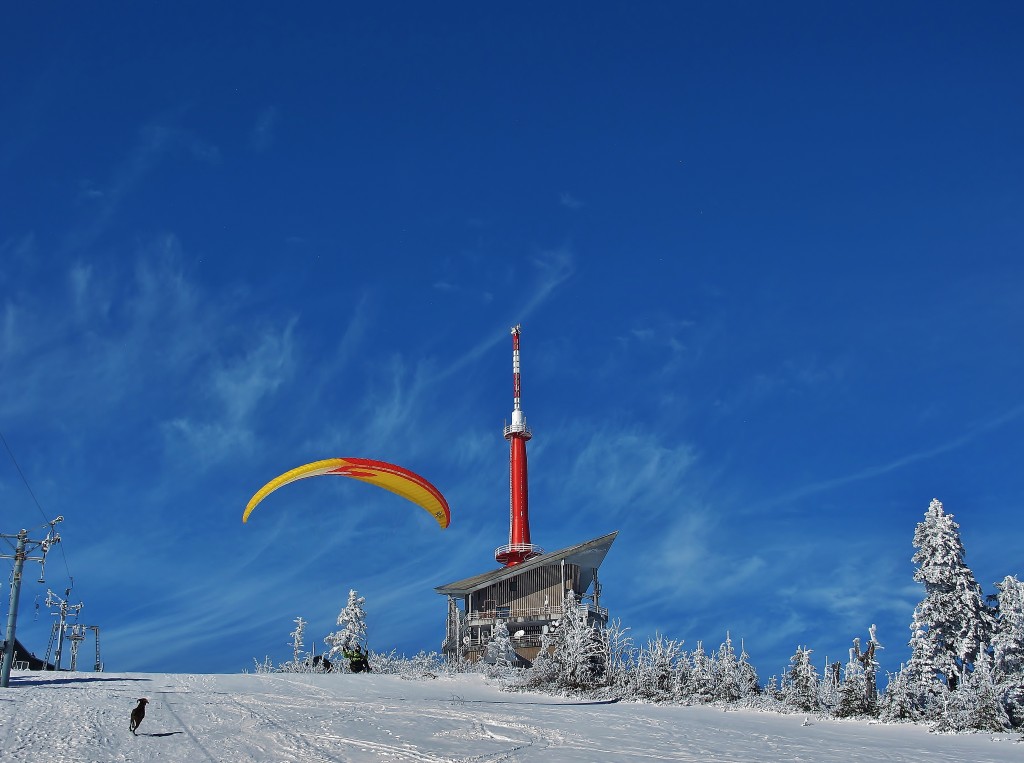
[83, 717]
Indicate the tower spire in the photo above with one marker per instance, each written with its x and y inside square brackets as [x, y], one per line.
[519, 548]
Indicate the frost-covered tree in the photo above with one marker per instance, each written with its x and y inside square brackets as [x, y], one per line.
[579, 651]
[773, 689]
[500, 651]
[702, 675]
[899, 702]
[831, 680]
[870, 663]
[747, 675]
[858, 693]
[921, 675]
[853, 700]
[800, 685]
[544, 671]
[618, 654]
[951, 622]
[297, 635]
[976, 705]
[656, 676]
[352, 633]
[1008, 648]
[727, 673]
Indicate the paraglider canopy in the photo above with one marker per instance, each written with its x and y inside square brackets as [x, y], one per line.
[399, 481]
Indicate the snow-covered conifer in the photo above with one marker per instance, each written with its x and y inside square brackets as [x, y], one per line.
[899, 702]
[726, 673]
[1008, 648]
[297, 634]
[748, 682]
[871, 666]
[831, 680]
[921, 673]
[952, 621]
[976, 705]
[858, 693]
[579, 651]
[544, 671]
[500, 651]
[352, 633]
[702, 672]
[773, 688]
[853, 692]
[800, 685]
[656, 673]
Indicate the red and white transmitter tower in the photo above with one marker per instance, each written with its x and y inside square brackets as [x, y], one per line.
[519, 548]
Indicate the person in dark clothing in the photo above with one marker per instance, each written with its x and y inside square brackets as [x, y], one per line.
[358, 660]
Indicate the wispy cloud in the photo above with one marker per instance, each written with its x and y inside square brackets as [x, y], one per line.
[616, 469]
[237, 384]
[551, 268]
[896, 464]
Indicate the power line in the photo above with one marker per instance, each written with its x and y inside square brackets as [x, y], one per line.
[36, 501]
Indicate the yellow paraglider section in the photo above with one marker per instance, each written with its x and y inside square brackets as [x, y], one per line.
[399, 481]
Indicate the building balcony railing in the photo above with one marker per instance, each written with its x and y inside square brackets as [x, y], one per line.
[527, 614]
[528, 641]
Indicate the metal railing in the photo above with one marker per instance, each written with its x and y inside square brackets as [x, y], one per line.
[521, 429]
[528, 549]
[479, 644]
[489, 616]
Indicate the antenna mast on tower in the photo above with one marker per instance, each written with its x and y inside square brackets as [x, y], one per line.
[519, 548]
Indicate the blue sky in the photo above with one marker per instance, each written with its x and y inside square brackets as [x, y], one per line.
[767, 259]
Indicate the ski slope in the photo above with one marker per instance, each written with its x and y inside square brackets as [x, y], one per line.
[83, 717]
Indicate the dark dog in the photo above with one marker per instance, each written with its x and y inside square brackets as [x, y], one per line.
[137, 715]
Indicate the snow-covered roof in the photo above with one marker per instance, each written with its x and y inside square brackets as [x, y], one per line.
[588, 556]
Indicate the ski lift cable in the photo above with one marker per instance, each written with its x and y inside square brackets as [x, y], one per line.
[36, 501]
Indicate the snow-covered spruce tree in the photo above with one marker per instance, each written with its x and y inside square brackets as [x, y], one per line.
[500, 652]
[828, 687]
[899, 702]
[702, 672]
[773, 689]
[726, 685]
[951, 622]
[682, 677]
[352, 633]
[853, 699]
[975, 705]
[1008, 648]
[800, 685]
[579, 651]
[748, 681]
[921, 676]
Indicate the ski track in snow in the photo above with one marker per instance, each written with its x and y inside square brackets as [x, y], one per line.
[83, 718]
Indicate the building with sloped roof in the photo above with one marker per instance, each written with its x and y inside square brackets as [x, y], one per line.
[530, 598]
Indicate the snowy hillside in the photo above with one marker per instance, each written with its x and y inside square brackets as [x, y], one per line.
[300, 717]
